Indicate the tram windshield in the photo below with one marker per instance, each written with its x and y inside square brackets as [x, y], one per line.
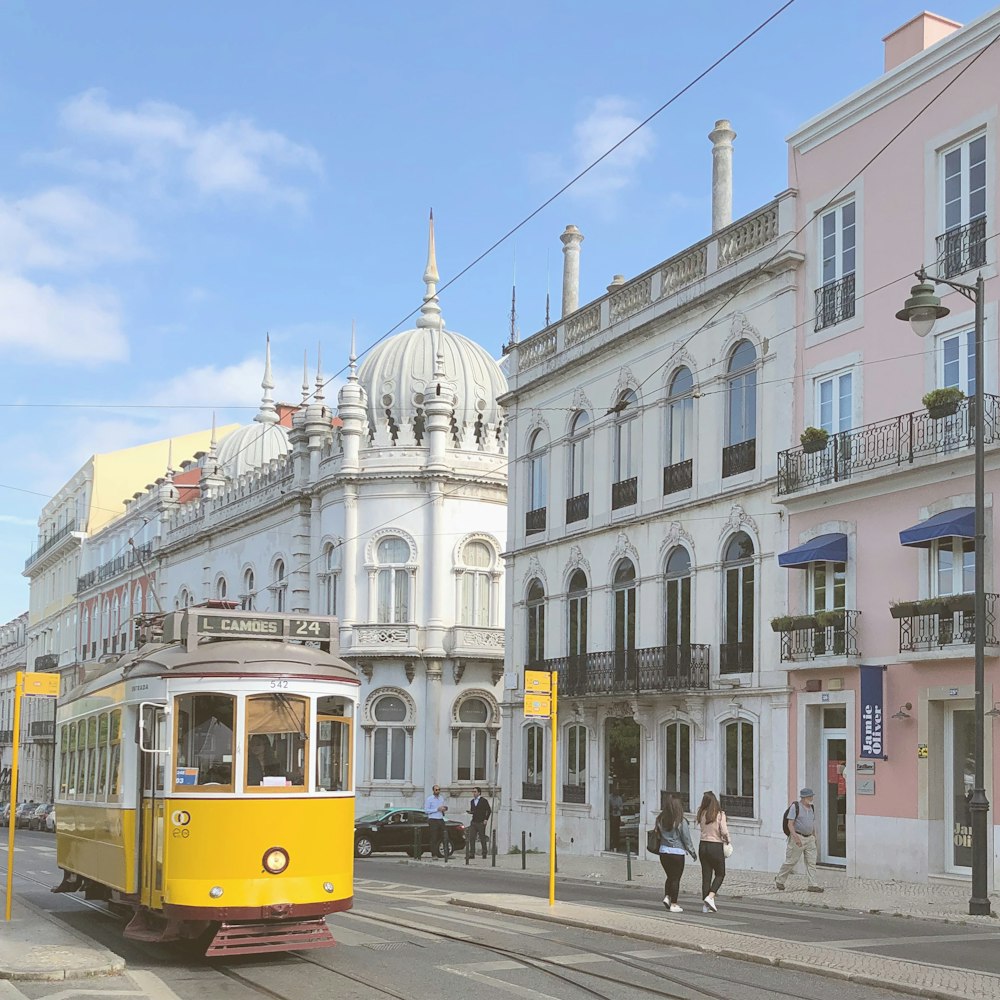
[205, 738]
[277, 727]
[333, 745]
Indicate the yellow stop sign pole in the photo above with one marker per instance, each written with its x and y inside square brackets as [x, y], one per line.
[32, 685]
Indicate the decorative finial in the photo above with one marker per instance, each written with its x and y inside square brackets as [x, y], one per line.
[267, 413]
[430, 311]
[431, 272]
[305, 376]
[319, 374]
[352, 361]
[170, 459]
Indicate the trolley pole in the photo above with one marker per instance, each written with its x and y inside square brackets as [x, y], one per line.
[552, 791]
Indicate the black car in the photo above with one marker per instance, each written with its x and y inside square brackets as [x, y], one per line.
[398, 830]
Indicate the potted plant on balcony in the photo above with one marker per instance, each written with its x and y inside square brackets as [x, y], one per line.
[792, 623]
[830, 619]
[813, 439]
[943, 402]
[903, 609]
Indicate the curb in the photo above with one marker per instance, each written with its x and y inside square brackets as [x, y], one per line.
[885, 978]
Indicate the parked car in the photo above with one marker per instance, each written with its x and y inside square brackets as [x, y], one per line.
[395, 829]
[24, 811]
[50, 820]
[36, 820]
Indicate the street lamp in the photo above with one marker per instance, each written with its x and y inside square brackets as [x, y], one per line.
[922, 308]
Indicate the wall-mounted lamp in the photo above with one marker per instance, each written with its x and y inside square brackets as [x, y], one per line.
[904, 711]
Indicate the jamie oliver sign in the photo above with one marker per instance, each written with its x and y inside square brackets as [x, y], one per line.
[872, 744]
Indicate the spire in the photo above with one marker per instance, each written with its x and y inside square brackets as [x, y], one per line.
[513, 304]
[319, 397]
[267, 413]
[170, 459]
[305, 377]
[430, 311]
[352, 361]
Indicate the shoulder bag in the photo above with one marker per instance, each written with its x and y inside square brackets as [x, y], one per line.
[653, 840]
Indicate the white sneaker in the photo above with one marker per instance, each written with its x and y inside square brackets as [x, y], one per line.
[705, 909]
[710, 903]
[674, 908]
[666, 900]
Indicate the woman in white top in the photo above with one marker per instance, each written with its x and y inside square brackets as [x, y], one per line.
[711, 822]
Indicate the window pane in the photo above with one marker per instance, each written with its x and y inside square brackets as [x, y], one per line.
[473, 710]
[732, 759]
[205, 740]
[746, 758]
[390, 709]
[381, 754]
[277, 745]
[465, 754]
[398, 754]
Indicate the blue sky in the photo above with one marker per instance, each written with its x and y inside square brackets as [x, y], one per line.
[176, 180]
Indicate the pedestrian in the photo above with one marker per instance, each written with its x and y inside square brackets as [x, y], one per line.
[675, 842]
[801, 841]
[435, 809]
[714, 833]
[615, 805]
[481, 811]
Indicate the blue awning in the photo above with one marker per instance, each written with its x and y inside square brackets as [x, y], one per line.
[822, 548]
[961, 522]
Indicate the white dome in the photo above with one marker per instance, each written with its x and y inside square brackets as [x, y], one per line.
[252, 447]
[399, 372]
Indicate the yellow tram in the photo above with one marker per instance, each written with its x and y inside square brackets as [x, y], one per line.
[205, 782]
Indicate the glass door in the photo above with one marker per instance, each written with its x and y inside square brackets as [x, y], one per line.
[959, 776]
[832, 805]
[622, 793]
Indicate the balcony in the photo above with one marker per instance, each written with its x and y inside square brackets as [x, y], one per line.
[740, 806]
[737, 458]
[677, 477]
[43, 730]
[578, 508]
[50, 543]
[576, 794]
[531, 790]
[624, 493]
[811, 637]
[476, 642]
[736, 657]
[945, 622]
[835, 302]
[47, 661]
[633, 671]
[534, 521]
[114, 567]
[962, 249]
[898, 441]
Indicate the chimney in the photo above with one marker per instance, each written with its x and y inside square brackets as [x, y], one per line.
[921, 33]
[722, 174]
[571, 240]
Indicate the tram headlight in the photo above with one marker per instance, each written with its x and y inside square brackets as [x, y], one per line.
[275, 860]
[215, 892]
[328, 887]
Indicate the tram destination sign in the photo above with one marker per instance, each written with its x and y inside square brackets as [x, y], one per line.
[190, 625]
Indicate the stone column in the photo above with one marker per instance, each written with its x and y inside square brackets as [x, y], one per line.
[571, 240]
[722, 174]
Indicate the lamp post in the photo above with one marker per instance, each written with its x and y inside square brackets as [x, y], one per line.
[922, 308]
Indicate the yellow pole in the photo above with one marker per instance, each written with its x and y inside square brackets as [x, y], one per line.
[18, 692]
[553, 769]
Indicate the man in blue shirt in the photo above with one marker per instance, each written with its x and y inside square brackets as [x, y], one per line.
[435, 809]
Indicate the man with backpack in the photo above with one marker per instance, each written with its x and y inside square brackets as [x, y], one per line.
[799, 825]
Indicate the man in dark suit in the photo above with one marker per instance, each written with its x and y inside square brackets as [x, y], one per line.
[481, 811]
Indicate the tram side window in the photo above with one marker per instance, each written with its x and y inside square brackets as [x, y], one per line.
[205, 742]
[277, 744]
[77, 767]
[67, 745]
[333, 745]
[102, 756]
[114, 775]
[91, 756]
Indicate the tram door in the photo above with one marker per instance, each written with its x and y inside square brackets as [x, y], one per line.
[155, 750]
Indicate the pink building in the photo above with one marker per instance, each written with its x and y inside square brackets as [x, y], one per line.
[899, 175]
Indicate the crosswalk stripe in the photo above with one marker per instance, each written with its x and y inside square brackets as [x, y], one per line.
[403, 928]
[465, 919]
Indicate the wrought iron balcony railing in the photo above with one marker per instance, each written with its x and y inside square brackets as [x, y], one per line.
[111, 568]
[677, 477]
[46, 728]
[633, 671]
[624, 493]
[737, 458]
[736, 657]
[578, 508]
[574, 793]
[531, 790]
[534, 521]
[50, 543]
[835, 302]
[923, 632]
[810, 642]
[898, 441]
[737, 805]
[963, 248]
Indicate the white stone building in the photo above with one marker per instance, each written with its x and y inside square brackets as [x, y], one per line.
[642, 534]
[13, 657]
[392, 517]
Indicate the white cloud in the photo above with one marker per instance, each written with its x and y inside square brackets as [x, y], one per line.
[76, 325]
[606, 122]
[231, 157]
[20, 522]
[62, 228]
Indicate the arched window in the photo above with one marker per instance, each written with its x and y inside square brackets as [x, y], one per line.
[678, 582]
[576, 639]
[579, 474]
[330, 578]
[624, 457]
[537, 483]
[248, 597]
[677, 761]
[741, 394]
[738, 798]
[392, 581]
[536, 623]
[679, 434]
[476, 584]
[184, 599]
[279, 585]
[533, 785]
[116, 623]
[389, 738]
[473, 741]
[136, 612]
[736, 653]
[221, 588]
[575, 783]
[624, 622]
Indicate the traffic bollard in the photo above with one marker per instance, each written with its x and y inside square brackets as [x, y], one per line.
[494, 845]
[416, 845]
[628, 860]
[524, 851]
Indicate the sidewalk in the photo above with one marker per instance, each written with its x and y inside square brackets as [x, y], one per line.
[37, 946]
[942, 899]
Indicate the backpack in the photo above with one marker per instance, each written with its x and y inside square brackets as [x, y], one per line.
[785, 817]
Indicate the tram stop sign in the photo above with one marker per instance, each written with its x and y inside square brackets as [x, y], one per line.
[44, 685]
[537, 694]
